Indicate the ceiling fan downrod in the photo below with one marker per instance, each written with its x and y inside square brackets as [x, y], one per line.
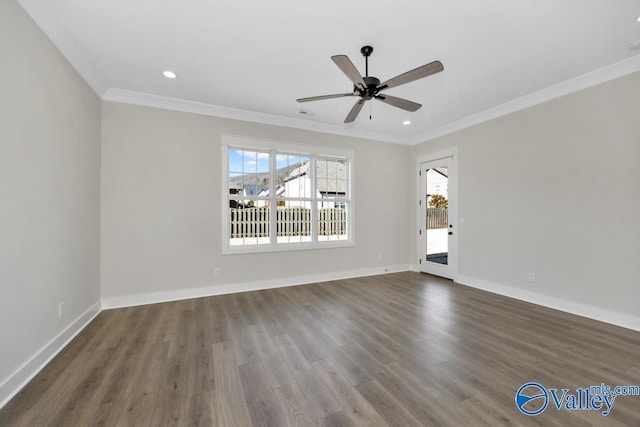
[366, 51]
[369, 87]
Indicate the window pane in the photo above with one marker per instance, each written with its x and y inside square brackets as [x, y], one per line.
[293, 176]
[269, 207]
[248, 173]
[294, 221]
[333, 220]
[437, 227]
[248, 222]
[331, 178]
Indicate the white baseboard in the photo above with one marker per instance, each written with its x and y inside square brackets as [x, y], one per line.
[30, 368]
[24, 374]
[182, 294]
[603, 315]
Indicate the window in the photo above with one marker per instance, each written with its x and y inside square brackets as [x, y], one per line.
[285, 197]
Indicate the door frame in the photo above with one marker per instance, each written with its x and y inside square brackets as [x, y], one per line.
[451, 270]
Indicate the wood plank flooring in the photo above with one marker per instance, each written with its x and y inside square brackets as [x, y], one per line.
[402, 349]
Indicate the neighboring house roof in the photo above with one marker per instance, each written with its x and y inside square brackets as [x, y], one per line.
[254, 189]
[331, 176]
[437, 181]
[442, 171]
[265, 193]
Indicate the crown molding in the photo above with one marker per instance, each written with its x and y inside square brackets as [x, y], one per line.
[42, 16]
[45, 19]
[610, 72]
[167, 103]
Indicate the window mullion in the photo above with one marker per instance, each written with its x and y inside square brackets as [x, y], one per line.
[314, 200]
[246, 224]
[273, 201]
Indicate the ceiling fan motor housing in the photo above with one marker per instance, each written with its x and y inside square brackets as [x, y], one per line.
[368, 87]
[371, 90]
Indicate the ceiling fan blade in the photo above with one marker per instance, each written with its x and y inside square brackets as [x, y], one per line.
[415, 74]
[344, 63]
[399, 102]
[354, 111]
[318, 98]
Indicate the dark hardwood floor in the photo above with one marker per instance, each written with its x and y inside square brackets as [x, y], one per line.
[402, 349]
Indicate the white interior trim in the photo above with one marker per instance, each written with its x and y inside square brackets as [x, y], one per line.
[247, 142]
[436, 155]
[39, 360]
[228, 142]
[451, 271]
[610, 72]
[30, 369]
[48, 22]
[603, 315]
[176, 295]
[174, 104]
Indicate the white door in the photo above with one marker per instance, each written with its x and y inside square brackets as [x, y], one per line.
[437, 234]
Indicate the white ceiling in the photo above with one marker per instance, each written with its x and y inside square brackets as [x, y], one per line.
[258, 56]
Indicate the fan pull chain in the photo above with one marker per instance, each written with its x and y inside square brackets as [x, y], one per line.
[370, 109]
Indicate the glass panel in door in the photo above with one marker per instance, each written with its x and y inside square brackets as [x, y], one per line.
[437, 222]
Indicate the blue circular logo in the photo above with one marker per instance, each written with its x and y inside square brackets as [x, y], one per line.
[534, 396]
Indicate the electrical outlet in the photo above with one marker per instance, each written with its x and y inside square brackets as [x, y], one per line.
[216, 272]
[60, 309]
[532, 277]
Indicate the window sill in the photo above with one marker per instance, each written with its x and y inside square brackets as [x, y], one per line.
[287, 247]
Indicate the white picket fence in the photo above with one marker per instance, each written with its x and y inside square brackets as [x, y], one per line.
[437, 218]
[291, 221]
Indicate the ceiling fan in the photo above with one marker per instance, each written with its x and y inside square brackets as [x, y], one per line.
[369, 87]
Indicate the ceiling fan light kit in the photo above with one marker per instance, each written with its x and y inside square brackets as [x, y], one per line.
[368, 87]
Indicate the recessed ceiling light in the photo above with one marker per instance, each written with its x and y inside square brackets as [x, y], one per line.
[169, 74]
[406, 122]
[638, 19]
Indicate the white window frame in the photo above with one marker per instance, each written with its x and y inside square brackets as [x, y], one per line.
[246, 143]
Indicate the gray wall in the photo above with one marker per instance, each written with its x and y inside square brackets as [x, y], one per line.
[161, 213]
[49, 191]
[555, 190]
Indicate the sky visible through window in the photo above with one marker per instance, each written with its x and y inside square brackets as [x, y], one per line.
[243, 162]
[276, 199]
